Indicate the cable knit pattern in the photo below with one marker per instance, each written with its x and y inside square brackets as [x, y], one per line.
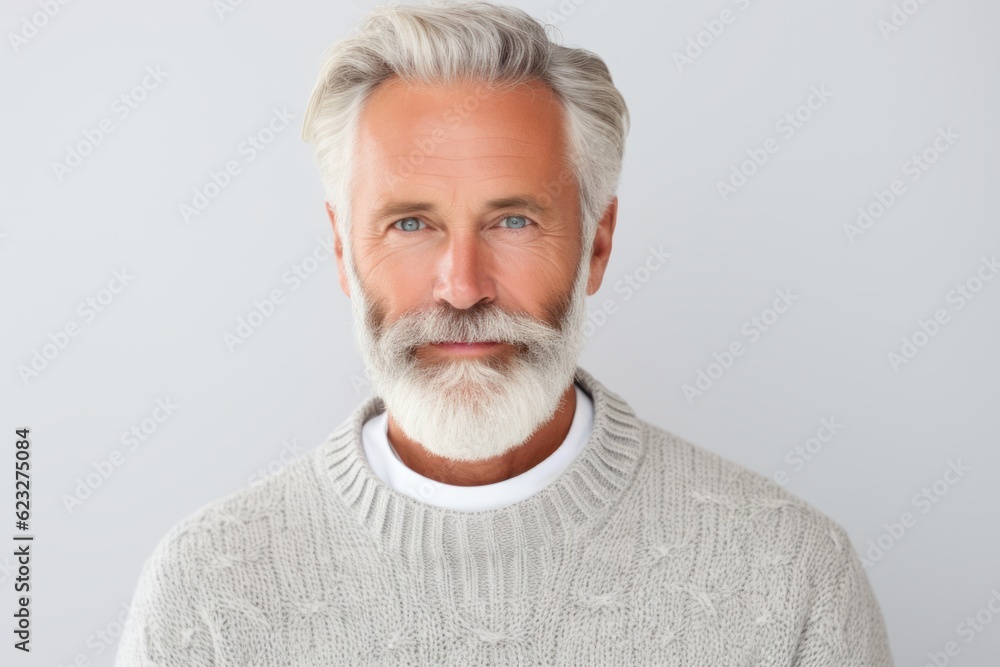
[648, 550]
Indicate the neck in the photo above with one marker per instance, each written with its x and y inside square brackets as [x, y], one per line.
[488, 471]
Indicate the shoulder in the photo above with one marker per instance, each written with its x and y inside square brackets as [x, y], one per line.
[203, 572]
[727, 494]
[235, 527]
[231, 533]
[735, 530]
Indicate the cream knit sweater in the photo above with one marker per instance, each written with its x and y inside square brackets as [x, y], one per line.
[648, 550]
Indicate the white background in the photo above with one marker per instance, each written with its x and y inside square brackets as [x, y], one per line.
[283, 390]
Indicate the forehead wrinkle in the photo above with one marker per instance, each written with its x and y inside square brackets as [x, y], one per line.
[480, 143]
[393, 155]
[380, 138]
[485, 179]
[472, 157]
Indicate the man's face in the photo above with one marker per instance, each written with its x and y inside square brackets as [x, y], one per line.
[466, 227]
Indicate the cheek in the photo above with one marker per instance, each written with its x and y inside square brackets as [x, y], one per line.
[537, 268]
[530, 281]
[402, 278]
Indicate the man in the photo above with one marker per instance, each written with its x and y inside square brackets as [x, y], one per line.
[492, 502]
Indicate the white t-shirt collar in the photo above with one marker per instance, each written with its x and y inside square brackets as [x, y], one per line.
[390, 468]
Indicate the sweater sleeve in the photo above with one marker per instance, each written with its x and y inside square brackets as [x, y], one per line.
[166, 626]
[844, 627]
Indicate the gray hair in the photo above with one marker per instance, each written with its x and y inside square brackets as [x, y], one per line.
[450, 41]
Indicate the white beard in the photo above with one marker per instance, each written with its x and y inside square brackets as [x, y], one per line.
[469, 408]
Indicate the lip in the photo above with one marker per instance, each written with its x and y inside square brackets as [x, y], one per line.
[466, 349]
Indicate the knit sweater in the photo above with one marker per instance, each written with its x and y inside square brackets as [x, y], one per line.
[647, 550]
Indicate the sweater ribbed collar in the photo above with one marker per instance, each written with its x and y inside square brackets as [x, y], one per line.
[578, 498]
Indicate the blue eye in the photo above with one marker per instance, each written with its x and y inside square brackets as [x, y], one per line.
[521, 224]
[408, 224]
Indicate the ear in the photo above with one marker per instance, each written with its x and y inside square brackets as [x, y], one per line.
[338, 252]
[602, 247]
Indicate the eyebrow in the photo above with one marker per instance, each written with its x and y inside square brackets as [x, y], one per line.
[517, 201]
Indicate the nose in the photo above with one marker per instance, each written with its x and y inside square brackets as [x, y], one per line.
[464, 272]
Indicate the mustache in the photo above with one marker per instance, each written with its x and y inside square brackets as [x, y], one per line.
[482, 322]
